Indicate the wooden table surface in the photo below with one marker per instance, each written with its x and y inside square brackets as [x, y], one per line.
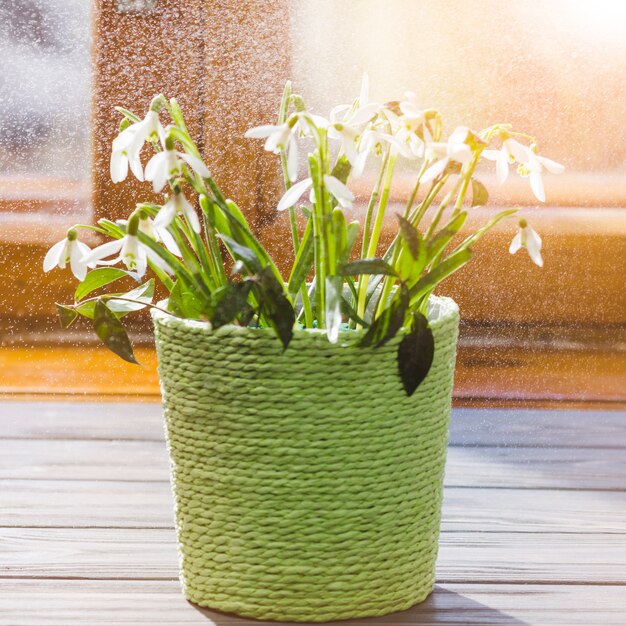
[534, 524]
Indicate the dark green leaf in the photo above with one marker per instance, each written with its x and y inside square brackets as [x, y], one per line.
[98, 278]
[415, 354]
[111, 332]
[334, 296]
[441, 240]
[228, 302]
[244, 254]
[368, 266]
[66, 315]
[386, 325]
[184, 303]
[303, 261]
[480, 195]
[350, 313]
[86, 309]
[411, 236]
[443, 270]
[275, 306]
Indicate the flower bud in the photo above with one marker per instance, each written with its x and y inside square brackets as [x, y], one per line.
[158, 102]
[72, 234]
[133, 223]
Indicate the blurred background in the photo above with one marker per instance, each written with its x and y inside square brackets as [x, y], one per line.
[557, 70]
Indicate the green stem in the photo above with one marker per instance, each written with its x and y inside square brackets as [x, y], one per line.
[372, 245]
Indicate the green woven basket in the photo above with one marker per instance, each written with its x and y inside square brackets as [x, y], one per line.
[307, 485]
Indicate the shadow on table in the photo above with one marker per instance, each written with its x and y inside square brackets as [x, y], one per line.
[442, 607]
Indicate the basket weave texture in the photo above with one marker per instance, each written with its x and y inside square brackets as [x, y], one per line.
[307, 485]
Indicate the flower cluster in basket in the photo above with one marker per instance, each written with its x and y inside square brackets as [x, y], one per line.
[198, 244]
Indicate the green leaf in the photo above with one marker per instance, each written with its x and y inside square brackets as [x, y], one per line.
[386, 325]
[66, 314]
[368, 266]
[303, 261]
[428, 282]
[128, 114]
[98, 278]
[480, 195]
[112, 333]
[86, 309]
[485, 229]
[334, 296]
[415, 354]
[441, 240]
[244, 254]
[228, 302]
[350, 313]
[411, 236]
[340, 232]
[275, 305]
[184, 303]
[143, 294]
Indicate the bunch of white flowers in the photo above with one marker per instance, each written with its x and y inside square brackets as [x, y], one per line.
[379, 293]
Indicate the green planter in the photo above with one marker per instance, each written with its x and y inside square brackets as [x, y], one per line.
[307, 485]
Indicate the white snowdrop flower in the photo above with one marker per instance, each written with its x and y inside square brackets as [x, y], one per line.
[347, 122]
[71, 251]
[158, 233]
[533, 169]
[167, 164]
[176, 204]
[279, 137]
[342, 194]
[121, 159]
[129, 250]
[455, 149]
[512, 151]
[528, 238]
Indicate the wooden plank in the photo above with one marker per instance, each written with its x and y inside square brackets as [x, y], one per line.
[463, 557]
[146, 603]
[88, 504]
[536, 427]
[534, 468]
[468, 427]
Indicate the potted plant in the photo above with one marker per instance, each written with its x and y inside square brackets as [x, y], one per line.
[306, 412]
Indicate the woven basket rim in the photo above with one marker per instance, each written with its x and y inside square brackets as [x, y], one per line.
[441, 309]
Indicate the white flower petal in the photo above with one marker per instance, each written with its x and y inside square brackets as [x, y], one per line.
[491, 155]
[359, 164]
[292, 159]
[536, 184]
[343, 195]
[168, 242]
[552, 166]
[502, 167]
[118, 166]
[166, 214]
[339, 113]
[190, 214]
[157, 162]
[77, 251]
[197, 164]
[519, 151]
[55, 256]
[364, 114]
[103, 251]
[261, 132]
[135, 165]
[533, 245]
[434, 170]
[293, 194]
[410, 109]
[516, 244]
